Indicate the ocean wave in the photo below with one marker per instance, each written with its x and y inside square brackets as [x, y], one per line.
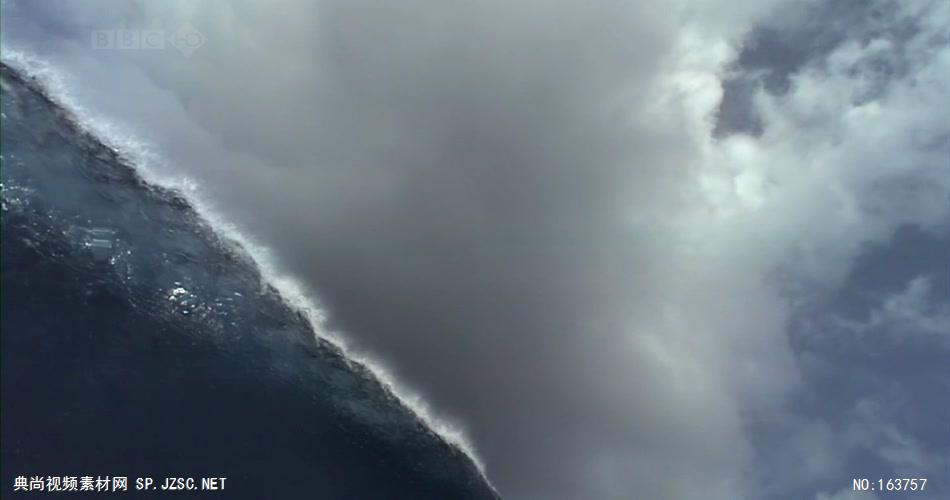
[148, 165]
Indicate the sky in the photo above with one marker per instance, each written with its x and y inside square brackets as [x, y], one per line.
[631, 249]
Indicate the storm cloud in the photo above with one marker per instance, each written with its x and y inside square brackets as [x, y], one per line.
[613, 241]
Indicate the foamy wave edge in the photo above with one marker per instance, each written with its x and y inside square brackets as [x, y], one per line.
[141, 157]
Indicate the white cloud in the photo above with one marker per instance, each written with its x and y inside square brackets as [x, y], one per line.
[916, 309]
[914, 312]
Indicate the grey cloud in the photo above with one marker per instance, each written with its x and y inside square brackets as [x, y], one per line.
[873, 358]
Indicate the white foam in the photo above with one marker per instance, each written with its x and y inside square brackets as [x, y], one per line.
[148, 164]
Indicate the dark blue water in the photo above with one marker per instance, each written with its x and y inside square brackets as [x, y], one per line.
[137, 343]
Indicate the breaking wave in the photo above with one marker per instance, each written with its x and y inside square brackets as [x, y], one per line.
[148, 165]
